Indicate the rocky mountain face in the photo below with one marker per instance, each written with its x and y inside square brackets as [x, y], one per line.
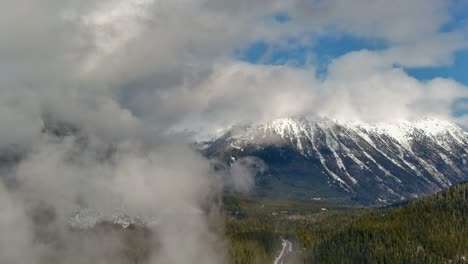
[373, 164]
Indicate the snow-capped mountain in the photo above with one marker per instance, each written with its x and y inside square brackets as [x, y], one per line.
[382, 162]
[86, 218]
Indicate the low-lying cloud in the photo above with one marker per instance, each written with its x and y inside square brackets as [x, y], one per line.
[242, 174]
[63, 176]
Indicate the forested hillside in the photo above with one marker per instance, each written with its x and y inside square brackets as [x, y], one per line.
[432, 230]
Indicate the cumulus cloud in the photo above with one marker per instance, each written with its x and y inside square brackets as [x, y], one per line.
[378, 18]
[215, 92]
[358, 87]
[159, 61]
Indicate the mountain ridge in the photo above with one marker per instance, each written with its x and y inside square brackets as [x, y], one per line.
[401, 160]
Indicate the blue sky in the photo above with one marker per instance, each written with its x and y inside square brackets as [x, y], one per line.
[328, 48]
[324, 49]
[320, 54]
[457, 71]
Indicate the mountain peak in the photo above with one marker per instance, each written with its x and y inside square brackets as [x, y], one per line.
[402, 159]
[400, 130]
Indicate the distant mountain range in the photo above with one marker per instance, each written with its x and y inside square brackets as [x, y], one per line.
[327, 159]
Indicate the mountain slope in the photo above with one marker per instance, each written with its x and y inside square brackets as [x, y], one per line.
[429, 230]
[378, 163]
[432, 230]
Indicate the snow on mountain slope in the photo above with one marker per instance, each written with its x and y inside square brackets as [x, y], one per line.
[86, 218]
[384, 161]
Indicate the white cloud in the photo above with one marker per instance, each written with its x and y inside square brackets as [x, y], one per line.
[396, 21]
[358, 86]
[242, 174]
